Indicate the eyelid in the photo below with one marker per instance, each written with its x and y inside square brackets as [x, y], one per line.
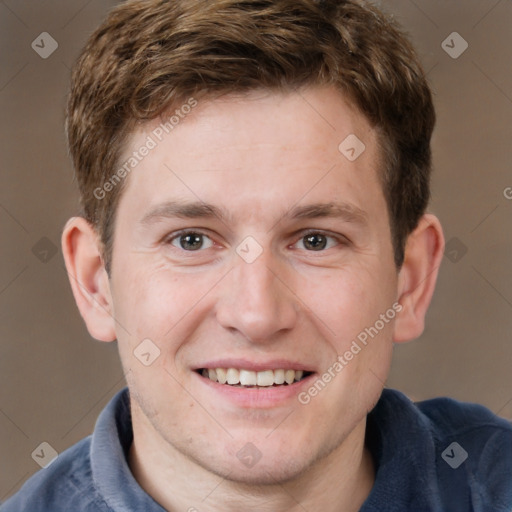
[340, 239]
[170, 237]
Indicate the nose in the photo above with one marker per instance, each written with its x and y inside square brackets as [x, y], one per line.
[257, 300]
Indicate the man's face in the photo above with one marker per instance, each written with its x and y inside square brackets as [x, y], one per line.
[246, 239]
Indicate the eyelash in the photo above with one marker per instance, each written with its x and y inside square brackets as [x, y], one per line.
[340, 240]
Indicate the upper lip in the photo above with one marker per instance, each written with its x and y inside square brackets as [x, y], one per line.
[256, 366]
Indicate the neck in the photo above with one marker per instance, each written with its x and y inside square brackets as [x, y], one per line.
[338, 482]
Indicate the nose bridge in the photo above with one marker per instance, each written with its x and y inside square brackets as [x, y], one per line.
[255, 302]
[257, 283]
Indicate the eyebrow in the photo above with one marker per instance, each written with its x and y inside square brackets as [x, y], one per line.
[197, 209]
[344, 211]
[184, 210]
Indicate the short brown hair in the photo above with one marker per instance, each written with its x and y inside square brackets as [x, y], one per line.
[151, 55]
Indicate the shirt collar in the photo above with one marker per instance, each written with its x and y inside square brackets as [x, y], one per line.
[400, 440]
[111, 474]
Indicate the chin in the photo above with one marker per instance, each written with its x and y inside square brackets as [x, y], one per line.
[265, 461]
[263, 473]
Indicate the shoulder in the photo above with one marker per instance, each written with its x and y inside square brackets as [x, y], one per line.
[444, 418]
[66, 484]
[474, 441]
[455, 415]
[475, 428]
[467, 447]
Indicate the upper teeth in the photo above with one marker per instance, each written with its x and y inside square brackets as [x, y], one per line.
[249, 378]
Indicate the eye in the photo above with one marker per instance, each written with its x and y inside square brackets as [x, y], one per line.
[315, 241]
[191, 241]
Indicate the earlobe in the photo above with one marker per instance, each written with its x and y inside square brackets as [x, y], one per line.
[88, 278]
[417, 278]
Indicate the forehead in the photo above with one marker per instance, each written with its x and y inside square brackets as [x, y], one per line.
[257, 153]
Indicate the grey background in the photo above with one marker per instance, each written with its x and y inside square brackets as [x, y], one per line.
[54, 379]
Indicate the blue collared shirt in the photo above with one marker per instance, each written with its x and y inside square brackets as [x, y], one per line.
[435, 456]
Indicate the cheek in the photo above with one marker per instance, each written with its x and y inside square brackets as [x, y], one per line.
[358, 307]
[347, 301]
[156, 302]
[356, 316]
[160, 306]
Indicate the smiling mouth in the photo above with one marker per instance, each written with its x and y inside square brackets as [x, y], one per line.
[241, 378]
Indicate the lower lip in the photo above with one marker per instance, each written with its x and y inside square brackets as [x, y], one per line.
[257, 397]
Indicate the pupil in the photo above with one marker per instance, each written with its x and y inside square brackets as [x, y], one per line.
[191, 242]
[316, 242]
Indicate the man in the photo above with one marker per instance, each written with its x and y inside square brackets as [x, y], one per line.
[254, 178]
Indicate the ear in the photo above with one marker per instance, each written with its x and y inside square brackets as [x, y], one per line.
[89, 280]
[417, 277]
